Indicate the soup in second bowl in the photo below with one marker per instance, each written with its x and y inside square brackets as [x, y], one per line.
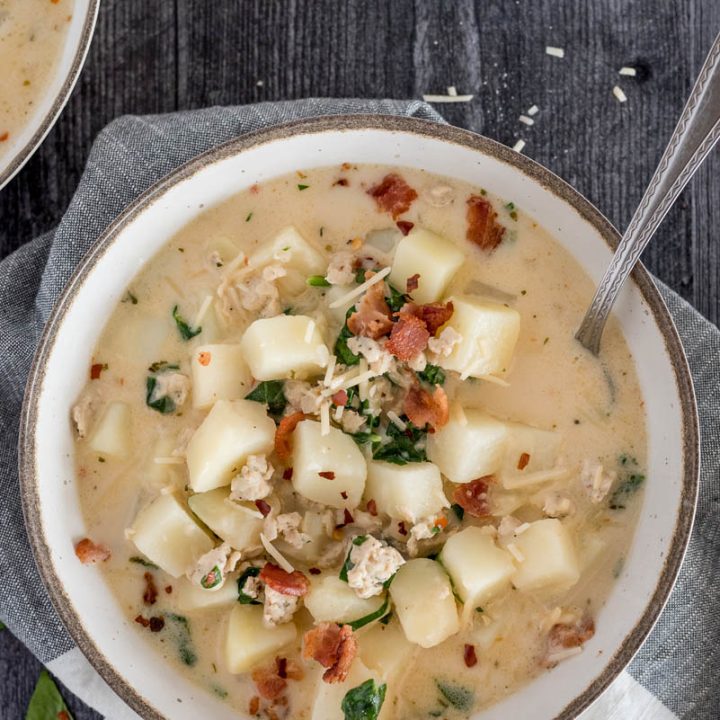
[341, 457]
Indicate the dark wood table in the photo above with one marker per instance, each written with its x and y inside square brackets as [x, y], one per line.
[157, 57]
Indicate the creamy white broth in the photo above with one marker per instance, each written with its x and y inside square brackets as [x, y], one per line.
[32, 33]
[596, 408]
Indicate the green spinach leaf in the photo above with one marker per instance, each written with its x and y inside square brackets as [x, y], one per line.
[396, 299]
[458, 696]
[186, 332]
[432, 374]
[183, 638]
[317, 281]
[344, 354]
[46, 702]
[364, 702]
[623, 492]
[272, 394]
[370, 617]
[403, 446]
[143, 561]
[348, 564]
[163, 404]
[242, 597]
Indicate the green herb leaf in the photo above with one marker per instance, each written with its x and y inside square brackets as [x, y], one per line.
[183, 638]
[249, 217]
[344, 354]
[403, 446]
[396, 299]
[364, 702]
[130, 298]
[367, 619]
[360, 276]
[317, 281]
[623, 492]
[46, 702]
[164, 404]
[303, 187]
[348, 564]
[142, 561]
[458, 696]
[432, 374]
[186, 332]
[272, 394]
[244, 599]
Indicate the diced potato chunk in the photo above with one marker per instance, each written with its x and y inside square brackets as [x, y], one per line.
[431, 256]
[286, 346]
[489, 334]
[249, 641]
[218, 449]
[469, 450]
[478, 568]
[424, 602]
[289, 247]
[219, 372]
[406, 492]
[314, 525]
[385, 649]
[187, 596]
[329, 696]
[549, 558]
[166, 534]
[227, 519]
[112, 434]
[332, 600]
[530, 455]
[336, 456]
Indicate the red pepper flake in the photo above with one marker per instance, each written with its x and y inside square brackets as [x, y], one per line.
[346, 166]
[287, 473]
[156, 624]
[96, 370]
[281, 665]
[343, 495]
[340, 398]
[168, 589]
[263, 507]
[254, 705]
[413, 282]
[255, 189]
[4, 136]
[523, 461]
[62, 715]
[142, 621]
[469, 656]
[342, 182]
[327, 474]
[347, 517]
[151, 593]
[314, 571]
[372, 507]
[405, 226]
[401, 528]
[204, 358]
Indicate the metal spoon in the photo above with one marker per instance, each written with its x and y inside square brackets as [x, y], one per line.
[695, 135]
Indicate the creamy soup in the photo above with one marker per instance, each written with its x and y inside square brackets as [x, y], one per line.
[341, 457]
[32, 33]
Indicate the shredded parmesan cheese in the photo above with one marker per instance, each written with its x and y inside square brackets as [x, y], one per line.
[452, 91]
[555, 51]
[360, 289]
[526, 120]
[518, 146]
[169, 460]
[396, 420]
[202, 311]
[309, 330]
[513, 550]
[364, 388]
[358, 379]
[276, 554]
[330, 370]
[629, 71]
[521, 528]
[325, 418]
[533, 110]
[447, 98]
[619, 94]
[337, 415]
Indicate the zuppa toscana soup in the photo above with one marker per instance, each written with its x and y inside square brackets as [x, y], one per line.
[341, 457]
[32, 33]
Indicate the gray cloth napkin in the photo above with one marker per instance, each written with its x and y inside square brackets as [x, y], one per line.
[674, 675]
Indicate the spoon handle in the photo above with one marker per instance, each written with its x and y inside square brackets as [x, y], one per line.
[696, 133]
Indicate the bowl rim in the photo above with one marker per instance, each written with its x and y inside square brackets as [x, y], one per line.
[331, 123]
[23, 155]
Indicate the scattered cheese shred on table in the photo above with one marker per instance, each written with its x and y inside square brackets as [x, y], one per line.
[629, 71]
[533, 110]
[447, 98]
[555, 51]
[527, 120]
[452, 91]
[518, 146]
[619, 94]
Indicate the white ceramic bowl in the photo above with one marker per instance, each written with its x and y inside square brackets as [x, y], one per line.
[22, 145]
[90, 611]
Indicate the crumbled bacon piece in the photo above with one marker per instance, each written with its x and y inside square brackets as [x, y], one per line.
[409, 337]
[283, 446]
[168, 589]
[89, 552]
[393, 195]
[523, 461]
[563, 636]
[423, 409]
[347, 517]
[372, 318]
[268, 683]
[96, 370]
[372, 507]
[142, 621]
[340, 398]
[314, 571]
[343, 495]
[412, 283]
[151, 591]
[294, 583]
[288, 669]
[287, 473]
[263, 507]
[63, 715]
[342, 182]
[434, 315]
[469, 656]
[254, 705]
[327, 474]
[402, 529]
[334, 647]
[155, 623]
[405, 226]
[473, 498]
[483, 228]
